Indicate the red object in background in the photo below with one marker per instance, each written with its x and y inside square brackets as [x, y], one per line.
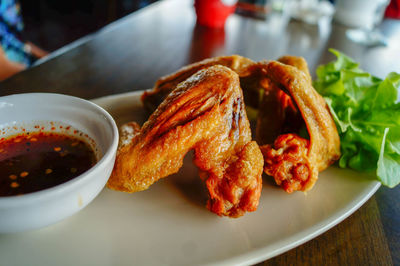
[393, 10]
[213, 13]
[206, 42]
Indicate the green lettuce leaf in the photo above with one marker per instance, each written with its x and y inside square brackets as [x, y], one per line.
[366, 110]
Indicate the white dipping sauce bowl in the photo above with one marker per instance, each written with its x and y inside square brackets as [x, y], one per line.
[48, 206]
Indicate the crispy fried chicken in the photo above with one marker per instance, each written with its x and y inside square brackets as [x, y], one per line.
[204, 113]
[286, 103]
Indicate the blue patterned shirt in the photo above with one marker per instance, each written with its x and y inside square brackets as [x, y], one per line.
[11, 25]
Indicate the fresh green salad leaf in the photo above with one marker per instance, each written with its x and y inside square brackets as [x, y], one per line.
[366, 110]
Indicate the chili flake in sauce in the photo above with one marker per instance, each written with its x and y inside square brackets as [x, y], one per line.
[35, 161]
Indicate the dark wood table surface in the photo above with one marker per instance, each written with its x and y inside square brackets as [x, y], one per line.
[132, 53]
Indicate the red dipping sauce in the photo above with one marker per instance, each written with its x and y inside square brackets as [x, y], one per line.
[35, 161]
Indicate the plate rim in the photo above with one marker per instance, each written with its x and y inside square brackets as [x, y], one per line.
[260, 254]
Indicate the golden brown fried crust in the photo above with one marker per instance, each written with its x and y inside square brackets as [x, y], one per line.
[151, 99]
[205, 113]
[298, 62]
[288, 102]
[324, 146]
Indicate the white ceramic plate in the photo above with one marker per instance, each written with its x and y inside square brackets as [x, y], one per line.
[169, 224]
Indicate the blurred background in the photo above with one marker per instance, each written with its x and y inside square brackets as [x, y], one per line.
[52, 24]
[30, 30]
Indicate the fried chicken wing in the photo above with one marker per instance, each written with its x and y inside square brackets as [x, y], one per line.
[204, 113]
[294, 162]
[288, 102]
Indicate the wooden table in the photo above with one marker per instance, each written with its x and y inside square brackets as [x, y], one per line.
[132, 53]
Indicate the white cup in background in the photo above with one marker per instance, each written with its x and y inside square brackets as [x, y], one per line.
[360, 13]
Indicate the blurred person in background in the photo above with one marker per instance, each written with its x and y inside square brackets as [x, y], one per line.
[15, 54]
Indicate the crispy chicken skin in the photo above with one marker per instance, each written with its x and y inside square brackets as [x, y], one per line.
[298, 62]
[153, 98]
[253, 77]
[302, 159]
[204, 113]
[287, 103]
